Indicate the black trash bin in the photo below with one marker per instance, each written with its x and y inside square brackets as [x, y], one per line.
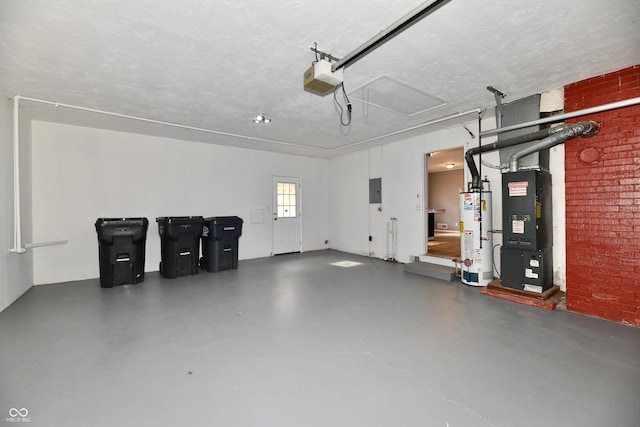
[121, 250]
[179, 245]
[220, 243]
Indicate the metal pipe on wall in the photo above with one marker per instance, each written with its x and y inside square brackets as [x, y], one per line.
[160, 122]
[560, 117]
[394, 238]
[18, 248]
[386, 243]
[498, 96]
[391, 244]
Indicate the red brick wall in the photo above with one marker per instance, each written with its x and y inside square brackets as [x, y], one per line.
[603, 201]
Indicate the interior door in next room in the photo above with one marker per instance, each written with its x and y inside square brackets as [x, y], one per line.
[286, 215]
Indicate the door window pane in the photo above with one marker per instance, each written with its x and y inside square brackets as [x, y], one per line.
[286, 199]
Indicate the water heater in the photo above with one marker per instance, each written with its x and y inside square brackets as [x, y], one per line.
[476, 241]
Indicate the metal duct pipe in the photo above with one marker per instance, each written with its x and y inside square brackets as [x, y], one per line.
[534, 136]
[584, 129]
[388, 33]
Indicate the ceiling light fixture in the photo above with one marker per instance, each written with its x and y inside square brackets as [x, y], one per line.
[261, 118]
[449, 165]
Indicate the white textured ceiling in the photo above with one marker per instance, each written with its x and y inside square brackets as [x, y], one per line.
[215, 64]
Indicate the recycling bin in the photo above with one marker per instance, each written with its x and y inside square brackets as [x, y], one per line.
[179, 245]
[121, 250]
[220, 243]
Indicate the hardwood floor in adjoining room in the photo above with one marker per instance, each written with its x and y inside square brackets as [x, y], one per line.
[445, 244]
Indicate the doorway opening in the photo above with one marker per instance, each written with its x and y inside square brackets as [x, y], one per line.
[444, 172]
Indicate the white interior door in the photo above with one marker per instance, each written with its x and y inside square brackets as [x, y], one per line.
[286, 215]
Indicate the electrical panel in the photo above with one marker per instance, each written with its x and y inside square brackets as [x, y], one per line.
[375, 190]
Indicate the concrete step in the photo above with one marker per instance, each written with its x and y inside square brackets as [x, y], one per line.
[431, 270]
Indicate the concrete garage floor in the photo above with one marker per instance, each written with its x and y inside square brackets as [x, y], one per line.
[295, 341]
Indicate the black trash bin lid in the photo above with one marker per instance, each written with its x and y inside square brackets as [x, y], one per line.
[224, 220]
[121, 221]
[178, 219]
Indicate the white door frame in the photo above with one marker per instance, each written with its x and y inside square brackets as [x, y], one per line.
[274, 216]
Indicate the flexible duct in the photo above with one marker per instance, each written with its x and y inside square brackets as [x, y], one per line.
[475, 175]
[566, 132]
[548, 138]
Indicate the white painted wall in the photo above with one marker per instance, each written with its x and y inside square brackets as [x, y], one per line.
[81, 174]
[16, 275]
[403, 181]
[377, 216]
[403, 184]
[349, 203]
[402, 173]
[444, 194]
[6, 182]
